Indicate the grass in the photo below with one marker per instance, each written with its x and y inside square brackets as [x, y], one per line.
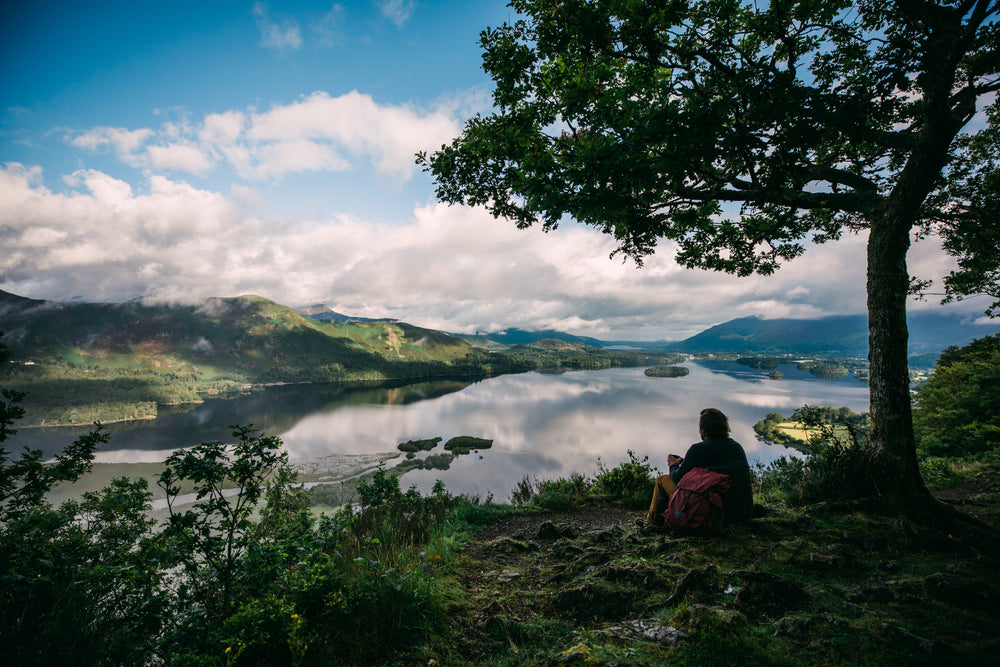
[799, 431]
[873, 591]
[564, 576]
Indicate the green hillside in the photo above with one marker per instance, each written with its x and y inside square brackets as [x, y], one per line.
[83, 362]
[552, 354]
[247, 337]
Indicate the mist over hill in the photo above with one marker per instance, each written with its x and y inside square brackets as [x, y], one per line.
[83, 362]
[259, 340]
[246, 337]
[321, 311]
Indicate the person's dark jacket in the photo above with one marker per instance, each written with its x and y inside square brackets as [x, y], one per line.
[726, 456]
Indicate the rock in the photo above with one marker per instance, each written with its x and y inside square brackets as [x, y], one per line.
[703, 580]
[802, 627]
[961, 591]
[594, 601]
[551, 531]
[601, 536]
[708, 617]
[926, 646]
[638, 575]
[877, 593]
[647, 629]
[653, 530]
[508, 545]
[767, 594]
[566, 549]
[581, 653]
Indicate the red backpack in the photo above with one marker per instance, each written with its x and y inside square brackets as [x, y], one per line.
[696, 502]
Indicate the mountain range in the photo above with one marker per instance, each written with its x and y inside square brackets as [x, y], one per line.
[245, 337]
[253, 336]
[321, 311]
[844, 335]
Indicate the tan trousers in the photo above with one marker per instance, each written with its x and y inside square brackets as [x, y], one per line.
[662, 490]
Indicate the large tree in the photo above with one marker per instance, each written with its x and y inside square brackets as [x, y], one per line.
[740, 130]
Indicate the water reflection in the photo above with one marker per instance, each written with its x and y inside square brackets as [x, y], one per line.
[275, 411]
[542, 426]
[549, 426]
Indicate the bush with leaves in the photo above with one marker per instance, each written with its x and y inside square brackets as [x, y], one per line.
[957, 411]
[212, 534]
[563, 493]
[629, 484]
[835, 467]
[79, 582]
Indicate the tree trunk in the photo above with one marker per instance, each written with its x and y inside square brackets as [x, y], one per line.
[894, 470]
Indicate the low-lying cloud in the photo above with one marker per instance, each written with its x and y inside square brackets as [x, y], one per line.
[447, 267]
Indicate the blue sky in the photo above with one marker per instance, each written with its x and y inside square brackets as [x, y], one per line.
[181, 150]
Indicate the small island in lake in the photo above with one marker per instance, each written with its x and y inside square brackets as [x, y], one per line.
[667, 371]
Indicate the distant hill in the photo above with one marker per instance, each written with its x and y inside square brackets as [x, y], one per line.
[838, 335]
[522, 337]
[321, 311]
[262, 341]
[246, 337]
[84, 362]
[844, 335]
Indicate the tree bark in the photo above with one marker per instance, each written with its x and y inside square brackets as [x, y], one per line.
[894, 469]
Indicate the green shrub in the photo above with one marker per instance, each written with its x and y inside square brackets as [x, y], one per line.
[778, 481]
[834, 470]
[939, 473]
[257, 634]
[957, 411]
[474, 513]
[629, 484]
[523, 492]
[562, 494]
[381, 490]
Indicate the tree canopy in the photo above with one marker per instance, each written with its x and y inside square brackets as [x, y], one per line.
[739, 131]
[958, 409]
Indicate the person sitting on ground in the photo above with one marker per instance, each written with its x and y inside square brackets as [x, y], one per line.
[717, 452]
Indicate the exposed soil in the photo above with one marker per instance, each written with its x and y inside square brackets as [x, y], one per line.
[525, 526]
[979, 496]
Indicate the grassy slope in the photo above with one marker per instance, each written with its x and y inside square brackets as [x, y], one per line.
[817, 585]
[245, 335]
[126, 358]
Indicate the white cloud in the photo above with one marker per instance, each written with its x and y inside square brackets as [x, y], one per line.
[222, 129]
[397, 11]
[182, 157]
[121, 140]
[329, 30]
[283, 36]
[388, 135]
[448, 267]
[313, 134]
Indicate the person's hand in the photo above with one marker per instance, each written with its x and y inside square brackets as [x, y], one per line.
[673, 459]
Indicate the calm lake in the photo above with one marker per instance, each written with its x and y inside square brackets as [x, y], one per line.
[542, 426]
